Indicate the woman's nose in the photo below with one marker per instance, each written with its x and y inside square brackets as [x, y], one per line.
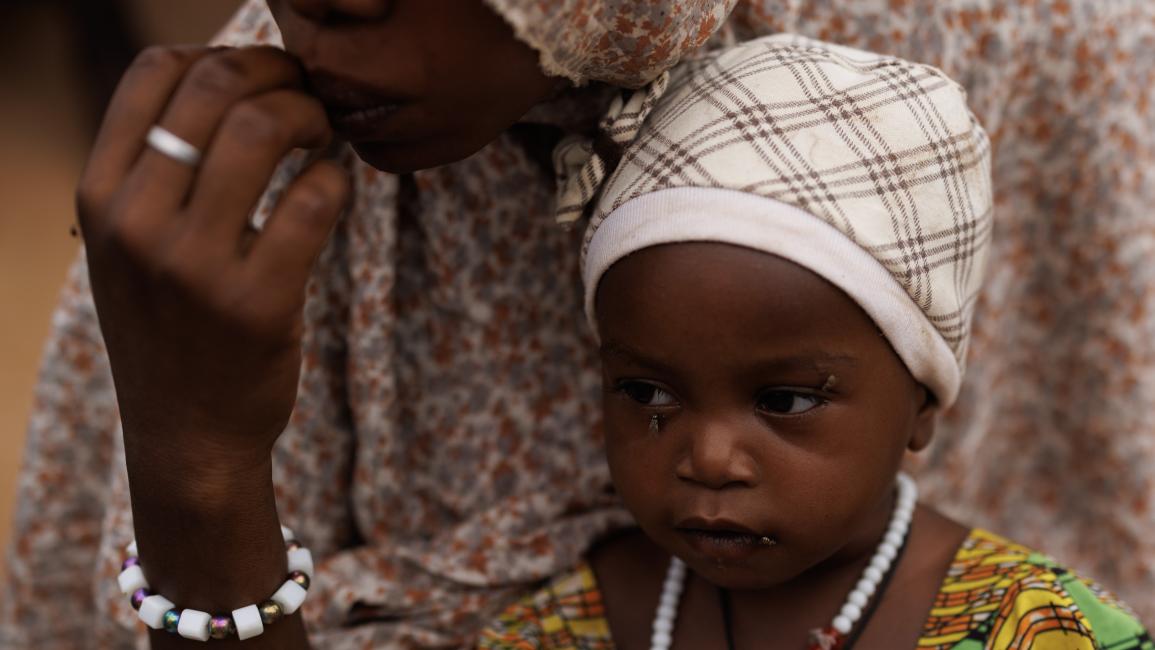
[323, 10]
[715, 459]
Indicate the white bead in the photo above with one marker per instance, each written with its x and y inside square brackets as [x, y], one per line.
[194, 624]
[887, 550]
[898, 528]
[248, 622]
[866, 586]
[668, 600]
[851, 611]
[289, 597]
[668, 610]
[904, 512]
[842, 625]
[152, 610]
[300, 559]
[858, 597]
[287, 533]
[131, 579]
[893, 538]
[131, 549]
[873, 574]
[880, 563]
[664, 625]
[660, 641]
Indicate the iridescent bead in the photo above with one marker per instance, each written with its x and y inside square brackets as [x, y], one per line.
[221, 627]
[301, 578]
[131, 561]
[171, 620]
[270, 612]
[138, 597]
[292, 544]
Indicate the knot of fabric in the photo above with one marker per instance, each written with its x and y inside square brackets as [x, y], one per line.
[582, 163]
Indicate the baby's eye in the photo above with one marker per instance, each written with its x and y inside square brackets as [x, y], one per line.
[645, 393]
[786, 402]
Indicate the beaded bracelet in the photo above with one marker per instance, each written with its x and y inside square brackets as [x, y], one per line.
[158, 612]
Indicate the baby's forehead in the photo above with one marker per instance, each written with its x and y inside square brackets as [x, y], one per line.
[707, 289]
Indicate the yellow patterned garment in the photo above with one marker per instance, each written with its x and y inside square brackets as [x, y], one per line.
[997, 595]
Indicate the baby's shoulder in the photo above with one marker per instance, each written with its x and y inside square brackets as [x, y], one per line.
[567, 613]
[1001, 594]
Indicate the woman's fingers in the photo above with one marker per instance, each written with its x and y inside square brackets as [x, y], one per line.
[137, 104]
[285, 251]
[252, 139]
[212, 86]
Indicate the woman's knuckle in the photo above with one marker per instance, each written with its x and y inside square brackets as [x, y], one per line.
[159, 56]
[131, 239]
[220, 75]
[254, 123]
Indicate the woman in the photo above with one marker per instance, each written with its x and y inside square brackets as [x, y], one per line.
[499, 510]
[439, 457]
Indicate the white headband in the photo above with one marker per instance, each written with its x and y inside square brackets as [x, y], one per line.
[767, 225]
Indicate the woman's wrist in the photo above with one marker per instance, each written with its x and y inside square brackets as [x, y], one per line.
[199, 482]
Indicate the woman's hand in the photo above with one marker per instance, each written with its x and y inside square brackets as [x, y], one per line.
[201, 315]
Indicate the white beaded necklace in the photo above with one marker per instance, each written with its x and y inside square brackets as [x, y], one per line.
[851, 612]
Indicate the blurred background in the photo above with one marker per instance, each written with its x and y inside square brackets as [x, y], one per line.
[59, 60]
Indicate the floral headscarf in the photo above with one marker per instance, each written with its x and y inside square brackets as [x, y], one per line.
[623, 42]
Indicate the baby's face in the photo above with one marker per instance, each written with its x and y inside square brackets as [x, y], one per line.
[781, 410]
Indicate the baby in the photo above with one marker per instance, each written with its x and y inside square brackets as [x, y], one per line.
[781, 271]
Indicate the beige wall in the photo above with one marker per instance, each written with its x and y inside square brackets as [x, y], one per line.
[42, 147]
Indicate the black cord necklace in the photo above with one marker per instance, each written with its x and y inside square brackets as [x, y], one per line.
[851, 639]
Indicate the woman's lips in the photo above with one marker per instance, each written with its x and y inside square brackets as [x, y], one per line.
[356, 110]
[362, 124]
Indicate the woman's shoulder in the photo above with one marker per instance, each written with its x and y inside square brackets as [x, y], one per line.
[1001, 594]
[567, 613]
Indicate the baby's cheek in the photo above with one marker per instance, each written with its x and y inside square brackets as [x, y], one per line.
[639, 475]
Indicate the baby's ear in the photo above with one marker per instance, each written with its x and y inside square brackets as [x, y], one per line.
[924, 424]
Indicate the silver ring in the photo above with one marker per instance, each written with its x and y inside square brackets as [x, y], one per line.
[165, 142]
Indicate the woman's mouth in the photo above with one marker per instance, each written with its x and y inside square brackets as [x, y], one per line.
[357, 111]
[360, 124]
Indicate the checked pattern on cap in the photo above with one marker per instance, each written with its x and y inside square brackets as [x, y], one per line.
[581, 163]
[883, 149]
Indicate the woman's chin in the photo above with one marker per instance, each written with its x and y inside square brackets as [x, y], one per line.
[408, 157]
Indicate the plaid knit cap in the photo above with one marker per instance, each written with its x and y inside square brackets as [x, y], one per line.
[866, 169]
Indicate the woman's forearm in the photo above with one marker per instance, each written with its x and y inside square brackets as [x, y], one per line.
[209, 539]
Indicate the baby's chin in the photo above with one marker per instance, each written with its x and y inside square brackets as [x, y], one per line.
[744, 575]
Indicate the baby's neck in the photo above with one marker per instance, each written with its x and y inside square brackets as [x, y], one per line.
[630, 569]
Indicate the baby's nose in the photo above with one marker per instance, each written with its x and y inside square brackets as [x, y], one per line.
[716, 459]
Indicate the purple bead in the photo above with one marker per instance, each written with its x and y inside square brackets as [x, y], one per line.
[171, 621]
[131, 561]
[221, 627]
[138, 597]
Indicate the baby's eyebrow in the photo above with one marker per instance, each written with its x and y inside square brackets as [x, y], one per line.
[819, 361]
[631, 355]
